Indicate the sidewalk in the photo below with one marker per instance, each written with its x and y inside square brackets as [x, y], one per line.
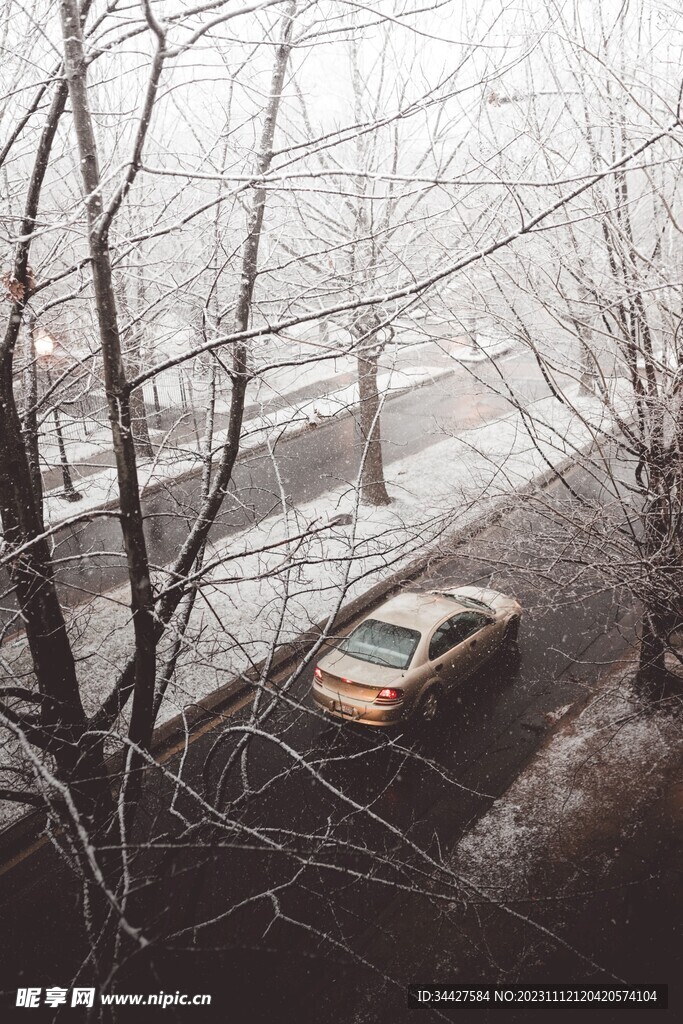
[587, 843]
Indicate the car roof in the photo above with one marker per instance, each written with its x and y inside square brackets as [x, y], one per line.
[417, 609]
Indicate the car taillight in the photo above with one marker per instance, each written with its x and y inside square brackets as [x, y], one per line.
[317, 672]
[388, 693]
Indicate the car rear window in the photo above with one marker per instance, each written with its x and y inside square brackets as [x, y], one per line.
[381, 643]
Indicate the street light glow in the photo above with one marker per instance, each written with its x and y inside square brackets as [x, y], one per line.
[43, 342]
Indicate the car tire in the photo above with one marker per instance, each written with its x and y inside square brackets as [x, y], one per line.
[429, 709]
[511, 631]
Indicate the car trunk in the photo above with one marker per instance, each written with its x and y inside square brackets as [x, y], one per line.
[340, 672]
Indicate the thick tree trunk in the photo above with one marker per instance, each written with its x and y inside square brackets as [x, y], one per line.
[652, 650]
[372, 485]
[651, 664]
[138, 414]
[662, 572]
[62, 724]
[196, 539]
[116, 387]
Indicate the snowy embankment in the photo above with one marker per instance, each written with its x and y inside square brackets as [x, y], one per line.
[270, 582]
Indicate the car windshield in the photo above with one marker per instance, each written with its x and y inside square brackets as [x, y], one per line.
[381, 643]
[471, 602]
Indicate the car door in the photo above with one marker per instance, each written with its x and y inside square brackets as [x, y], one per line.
[480, 637]
[450, 658]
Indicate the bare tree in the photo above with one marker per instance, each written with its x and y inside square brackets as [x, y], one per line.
[57, 722]
[261, 218]
[597, 299]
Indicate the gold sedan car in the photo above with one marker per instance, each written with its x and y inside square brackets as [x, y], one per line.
[401, 661]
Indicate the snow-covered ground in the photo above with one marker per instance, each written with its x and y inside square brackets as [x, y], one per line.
[175, 460]
[77, 450]
[578, 800]
[328, 361]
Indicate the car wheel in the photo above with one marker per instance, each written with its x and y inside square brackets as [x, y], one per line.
[429, 708]
[512, 631]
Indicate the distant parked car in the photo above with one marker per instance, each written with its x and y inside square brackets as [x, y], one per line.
[401, 661]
